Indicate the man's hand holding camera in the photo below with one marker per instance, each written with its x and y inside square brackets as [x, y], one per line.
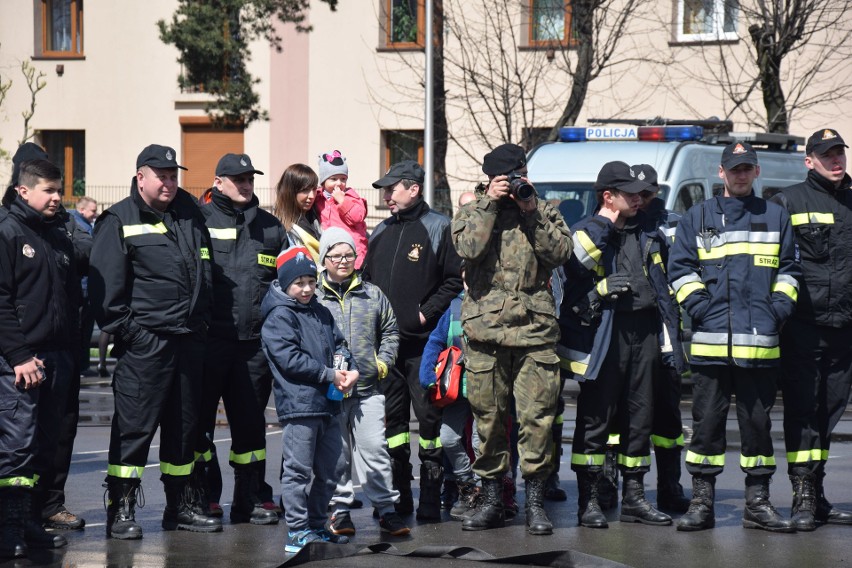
[514, 186]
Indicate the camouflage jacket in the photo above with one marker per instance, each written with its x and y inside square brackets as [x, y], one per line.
[508, 261]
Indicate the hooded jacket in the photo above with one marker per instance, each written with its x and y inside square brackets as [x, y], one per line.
[349, 216]
[245, 243]
[299, 341]
[39, 288]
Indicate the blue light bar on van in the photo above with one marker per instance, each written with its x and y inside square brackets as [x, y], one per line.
[646, 133]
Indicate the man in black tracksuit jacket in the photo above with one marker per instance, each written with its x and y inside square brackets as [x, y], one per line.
[246, 241]
[411, 258]
[150, 287]
[39, 293]
[816, 343]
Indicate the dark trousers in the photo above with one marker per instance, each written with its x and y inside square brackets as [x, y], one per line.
[755, 396]
[238, 373]
[31, 420]
[816, 374]
[667, 427]
[402, 390]
[87, 327]
[157, 382]
[621, 398]
[53, 480]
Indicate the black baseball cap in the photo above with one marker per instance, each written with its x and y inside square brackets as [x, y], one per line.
[504, 159]
[620, 176]
[646, 173]
[234, 165]
[822, 141]
[737, 153]
[156, 156]
[406, 169]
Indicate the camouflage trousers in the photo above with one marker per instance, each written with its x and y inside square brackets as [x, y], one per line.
[494, 374]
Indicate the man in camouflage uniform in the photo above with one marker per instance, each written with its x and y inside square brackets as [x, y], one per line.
[511, 245]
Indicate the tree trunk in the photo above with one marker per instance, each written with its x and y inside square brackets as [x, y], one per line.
[769, 70]
[582, 15]
[442, 200]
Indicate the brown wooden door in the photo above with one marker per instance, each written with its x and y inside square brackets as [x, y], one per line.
[203, 145]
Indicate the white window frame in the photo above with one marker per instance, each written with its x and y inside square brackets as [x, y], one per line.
[718, 33]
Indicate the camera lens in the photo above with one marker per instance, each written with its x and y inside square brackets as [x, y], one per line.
[522, 190]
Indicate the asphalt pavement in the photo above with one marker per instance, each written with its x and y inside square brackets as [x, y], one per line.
[729, 544]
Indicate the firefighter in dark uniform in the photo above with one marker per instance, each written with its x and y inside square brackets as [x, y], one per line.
[615, 306]
[150, 287]
[732, 267]
[667, 427]
[39, 293]
[816, 344]
[246, 241]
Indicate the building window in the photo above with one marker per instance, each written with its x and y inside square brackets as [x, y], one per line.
[404, 23]
[707, 20]
[67, 149]
[402, 145]
[61, 28]
[550, 22]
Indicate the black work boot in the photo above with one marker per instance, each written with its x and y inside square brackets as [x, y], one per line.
[34, 534]
[449, 494]
[401, 472]
[826, 512]
[589, 512]
[635, 508]
[183, 508]
[670, 495]
[12, 517]
[247, 506]
[803, 511]
[122, 495]
[431, 478]
[608, 481]
[468, 495]
[489, 509]
[537, 521]
[701, 514]
[759, 512]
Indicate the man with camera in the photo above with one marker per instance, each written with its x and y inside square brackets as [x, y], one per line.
[511, 241]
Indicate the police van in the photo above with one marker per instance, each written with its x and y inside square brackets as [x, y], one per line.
[686, 157]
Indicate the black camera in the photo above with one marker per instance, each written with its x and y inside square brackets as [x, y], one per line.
[521, 188]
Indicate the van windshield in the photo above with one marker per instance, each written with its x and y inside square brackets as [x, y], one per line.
[575, 200]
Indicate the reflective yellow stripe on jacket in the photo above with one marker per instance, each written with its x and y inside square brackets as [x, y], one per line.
[144, 229]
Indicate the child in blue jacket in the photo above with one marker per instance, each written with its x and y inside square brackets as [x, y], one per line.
[300, 340]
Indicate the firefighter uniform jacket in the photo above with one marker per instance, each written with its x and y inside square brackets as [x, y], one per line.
[822, 222]
[585, 342]
[151, 271]
[39, 288]
[245, 245]
[733, 269]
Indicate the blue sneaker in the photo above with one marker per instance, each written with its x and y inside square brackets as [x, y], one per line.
[296, 541]
[328, 536]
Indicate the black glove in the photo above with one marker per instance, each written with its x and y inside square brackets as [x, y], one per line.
[610, 287]
[588, 309]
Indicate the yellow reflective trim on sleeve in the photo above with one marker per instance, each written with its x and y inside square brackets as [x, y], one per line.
[125, 471]
[634, 461]
[824, 456]
[205, 457]
[757, 461]
[588, 459]
[558, 420]
[667, 443]
[787, 290]
[813, 218]
[144, 229]
[18, 482]
[589, 246]
[613, 440]
[767, 261]
[602, 288]
[698, 459]
[205, 253]
[266, 260]
[176, 469]
[656, 258]
[804, 456]
[433, 444]
[732, 249]
[575, 367]
[253, 456]
[399, 440]
[688, 289]
[229, 234]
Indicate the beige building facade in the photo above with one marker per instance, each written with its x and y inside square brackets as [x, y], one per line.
[355, 84]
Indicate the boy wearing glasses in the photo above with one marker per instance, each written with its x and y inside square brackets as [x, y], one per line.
[364, 315]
